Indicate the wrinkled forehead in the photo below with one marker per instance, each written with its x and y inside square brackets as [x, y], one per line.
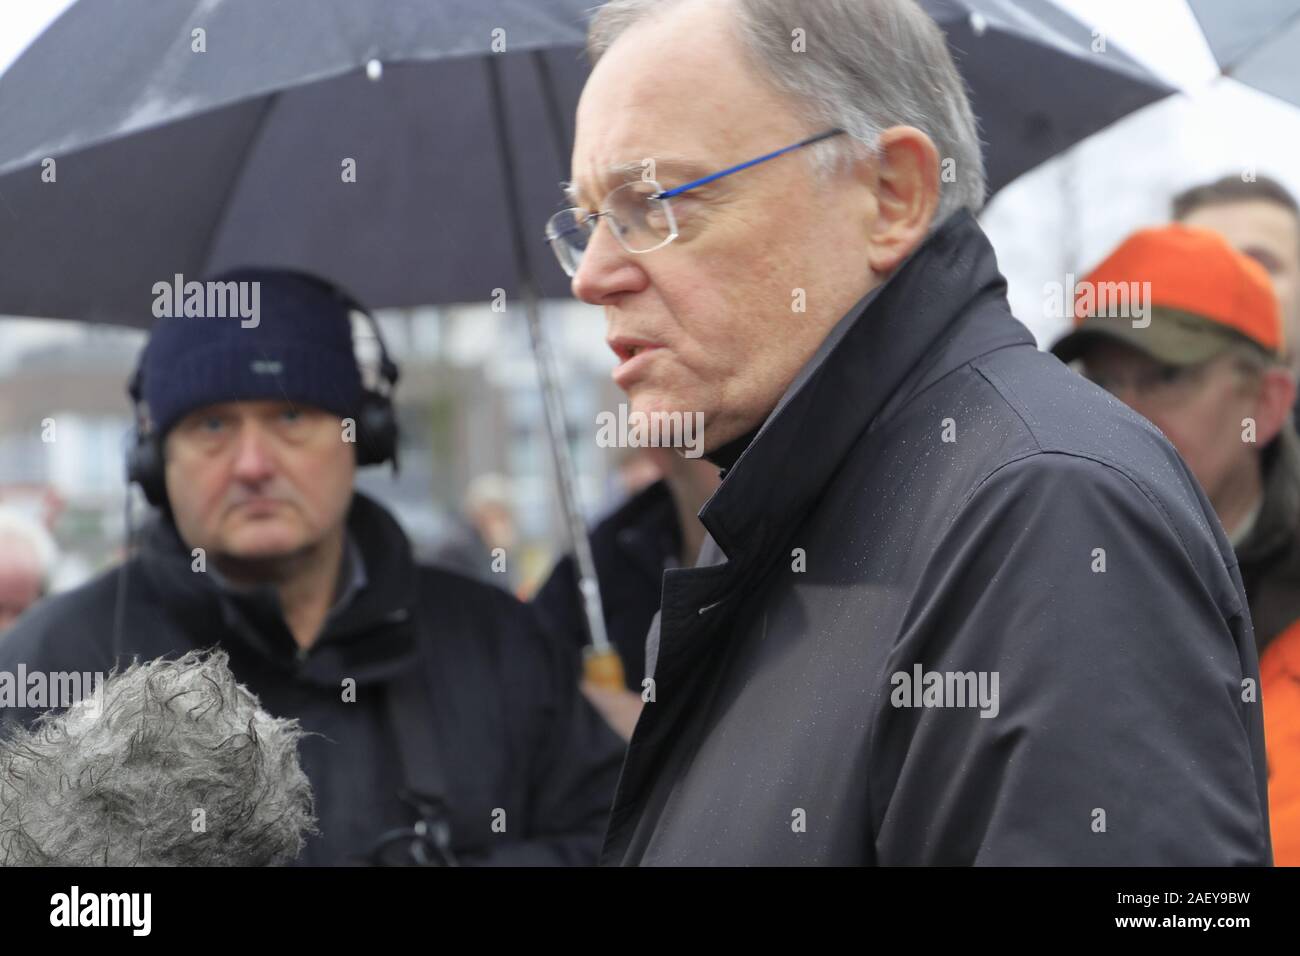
[657, 132]
[676, 91]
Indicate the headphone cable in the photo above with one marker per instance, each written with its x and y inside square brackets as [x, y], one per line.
[119, 609]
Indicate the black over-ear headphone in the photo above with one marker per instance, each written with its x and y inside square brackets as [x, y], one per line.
[376, 420]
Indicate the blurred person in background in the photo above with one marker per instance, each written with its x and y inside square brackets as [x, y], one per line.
[28, 556]
[443, 725]
[480, 541]
[654, 530]
[1261, 219]
[1209, 371]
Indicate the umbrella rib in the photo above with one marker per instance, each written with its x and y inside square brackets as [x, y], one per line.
[1227, 68]
[237, 179]
[1278, 32]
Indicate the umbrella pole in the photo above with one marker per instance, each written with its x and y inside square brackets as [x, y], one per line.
[601, 663]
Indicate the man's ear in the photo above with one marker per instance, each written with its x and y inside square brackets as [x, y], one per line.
[1277, 393]
[907, 196]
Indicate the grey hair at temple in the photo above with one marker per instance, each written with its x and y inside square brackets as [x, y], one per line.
[864, 67]
[172, 763]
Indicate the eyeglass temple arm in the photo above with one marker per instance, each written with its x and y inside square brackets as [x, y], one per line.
[669, 193]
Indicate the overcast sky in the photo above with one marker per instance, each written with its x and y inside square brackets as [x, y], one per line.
[21, 21]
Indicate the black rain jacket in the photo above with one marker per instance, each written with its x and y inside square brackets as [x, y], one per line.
[517, 743]
[935, 496]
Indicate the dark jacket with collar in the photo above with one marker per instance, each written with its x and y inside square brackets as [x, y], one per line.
[933, 492]
[630, 548]
[513, 733]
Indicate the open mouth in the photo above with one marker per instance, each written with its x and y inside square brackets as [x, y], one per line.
[628, 349]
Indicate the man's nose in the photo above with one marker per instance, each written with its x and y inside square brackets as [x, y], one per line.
[253, 457]
[607, 269]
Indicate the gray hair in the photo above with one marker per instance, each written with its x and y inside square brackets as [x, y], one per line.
[868, 65]
[120, 778]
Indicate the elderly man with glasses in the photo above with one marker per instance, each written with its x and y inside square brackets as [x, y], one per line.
[957, 606]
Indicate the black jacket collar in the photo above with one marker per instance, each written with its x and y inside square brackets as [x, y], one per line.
[371, 639]
[940, 310]
[905, 331]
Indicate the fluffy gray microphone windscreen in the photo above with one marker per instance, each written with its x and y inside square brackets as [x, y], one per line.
[168, 763]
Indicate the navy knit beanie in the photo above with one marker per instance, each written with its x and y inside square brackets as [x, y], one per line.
[297, 347]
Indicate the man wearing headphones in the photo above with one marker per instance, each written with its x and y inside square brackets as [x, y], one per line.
[442, 726]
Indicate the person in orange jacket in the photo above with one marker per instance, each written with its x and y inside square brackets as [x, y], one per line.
[1279, 675]
[1187, 331]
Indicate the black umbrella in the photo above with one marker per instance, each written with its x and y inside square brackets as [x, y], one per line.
[174, 161]
[409, 150]
[1040, 81]
[169, 160]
